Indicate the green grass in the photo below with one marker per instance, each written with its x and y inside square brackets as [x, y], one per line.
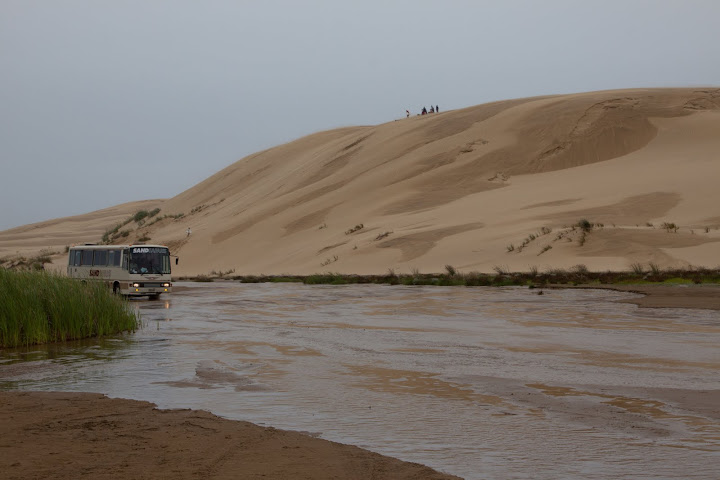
[139, 215]
[328, 279]
[679, 281]
[38, 307]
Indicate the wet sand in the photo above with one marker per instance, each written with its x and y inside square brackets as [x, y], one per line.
[678, 296]
[562, 385]
[86, 435]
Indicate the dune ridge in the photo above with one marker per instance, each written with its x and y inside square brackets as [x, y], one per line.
[499, 184]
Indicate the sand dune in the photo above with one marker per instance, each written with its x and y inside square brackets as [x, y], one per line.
[465, 187]
[55, 235]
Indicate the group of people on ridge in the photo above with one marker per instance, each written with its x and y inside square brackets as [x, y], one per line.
[425, 111]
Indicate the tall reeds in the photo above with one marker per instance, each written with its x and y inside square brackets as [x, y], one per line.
[39, 307]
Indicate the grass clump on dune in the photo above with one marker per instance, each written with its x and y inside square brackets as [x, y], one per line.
[39, 307]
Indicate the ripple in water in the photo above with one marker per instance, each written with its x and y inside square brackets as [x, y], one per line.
[478, 382]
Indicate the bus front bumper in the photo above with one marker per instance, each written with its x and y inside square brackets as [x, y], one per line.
[149, 288]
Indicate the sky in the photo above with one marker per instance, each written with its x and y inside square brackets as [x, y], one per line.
[104, 102]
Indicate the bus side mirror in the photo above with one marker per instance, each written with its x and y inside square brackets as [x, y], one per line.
[176, 260]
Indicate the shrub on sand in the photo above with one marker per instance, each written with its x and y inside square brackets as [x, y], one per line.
[585, 225]
[637, 268]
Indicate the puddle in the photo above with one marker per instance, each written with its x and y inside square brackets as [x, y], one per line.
[479, 382]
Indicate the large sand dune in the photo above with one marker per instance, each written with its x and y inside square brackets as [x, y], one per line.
[459, 188]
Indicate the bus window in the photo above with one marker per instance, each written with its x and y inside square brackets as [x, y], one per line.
[87, 257]
[114, 258]
[126, 256]
[76, 256]
[100, 259]
[150, 260]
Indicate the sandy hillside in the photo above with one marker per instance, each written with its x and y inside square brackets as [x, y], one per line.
[53, 236]
[499, 184]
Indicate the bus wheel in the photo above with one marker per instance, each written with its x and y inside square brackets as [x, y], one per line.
[154, 297]
[116, 288]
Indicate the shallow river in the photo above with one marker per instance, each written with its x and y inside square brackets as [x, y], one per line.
[478, 382]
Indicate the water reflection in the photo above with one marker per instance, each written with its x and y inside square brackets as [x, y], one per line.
[479, 382]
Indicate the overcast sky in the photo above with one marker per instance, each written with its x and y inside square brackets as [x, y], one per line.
[106, 101]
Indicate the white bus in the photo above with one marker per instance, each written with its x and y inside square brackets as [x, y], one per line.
[136, 270]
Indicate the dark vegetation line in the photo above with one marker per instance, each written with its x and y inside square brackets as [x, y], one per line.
[39, 307]
[575, 276]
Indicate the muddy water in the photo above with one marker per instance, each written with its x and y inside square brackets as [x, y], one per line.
[479, 382]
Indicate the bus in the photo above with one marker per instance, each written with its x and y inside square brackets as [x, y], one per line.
[132, 270]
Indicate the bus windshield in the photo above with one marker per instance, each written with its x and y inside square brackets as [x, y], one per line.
[150, 260]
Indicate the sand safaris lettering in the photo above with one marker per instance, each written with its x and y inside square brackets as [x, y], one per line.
[148, 250]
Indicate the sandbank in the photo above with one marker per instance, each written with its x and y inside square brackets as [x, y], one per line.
[73, 435]
[668, 296]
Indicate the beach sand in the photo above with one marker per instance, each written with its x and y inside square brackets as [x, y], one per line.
[54, 435]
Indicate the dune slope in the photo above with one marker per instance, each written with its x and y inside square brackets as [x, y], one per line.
[500, 184]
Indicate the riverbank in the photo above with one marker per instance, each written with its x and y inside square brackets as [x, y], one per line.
[667, 296]
[72, 435]
[668, 289]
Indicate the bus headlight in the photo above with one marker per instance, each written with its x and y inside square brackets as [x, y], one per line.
[166, 284]
[136, 284]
